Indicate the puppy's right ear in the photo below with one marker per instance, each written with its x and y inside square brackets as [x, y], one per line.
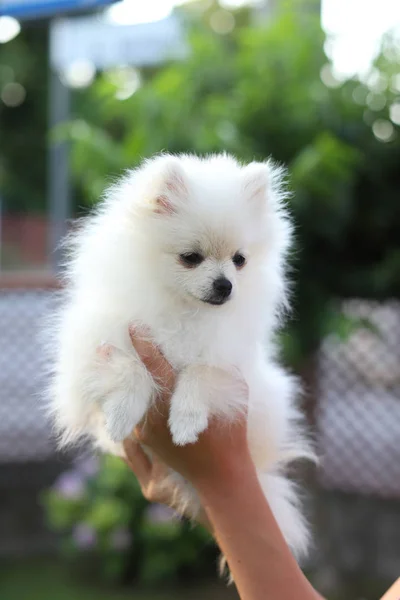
[256, 182]
[171, 187]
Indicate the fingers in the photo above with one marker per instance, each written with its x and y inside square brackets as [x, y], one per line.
[138, 461]
[152, 426]
[159, 469]
[151, 475]
[152, 358]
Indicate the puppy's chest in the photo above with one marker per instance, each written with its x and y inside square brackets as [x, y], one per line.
[187, 342]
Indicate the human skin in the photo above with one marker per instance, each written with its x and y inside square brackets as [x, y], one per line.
[234, 507]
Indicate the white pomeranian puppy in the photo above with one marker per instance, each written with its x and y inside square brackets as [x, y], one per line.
[194, 249]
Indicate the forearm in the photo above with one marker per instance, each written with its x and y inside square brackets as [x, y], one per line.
[260, 561]
[220, 468]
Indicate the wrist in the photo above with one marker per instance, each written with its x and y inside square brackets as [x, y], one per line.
[224, 481]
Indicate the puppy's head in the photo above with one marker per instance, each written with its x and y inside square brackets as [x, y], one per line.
[215, 231]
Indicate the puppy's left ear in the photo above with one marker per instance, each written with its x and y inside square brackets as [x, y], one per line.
[172, 187]
[256, 181]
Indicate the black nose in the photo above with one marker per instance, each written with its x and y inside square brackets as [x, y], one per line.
[222, 287]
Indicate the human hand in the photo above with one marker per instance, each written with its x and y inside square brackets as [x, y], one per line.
[220, 451]
[152, 476]
[221, 469]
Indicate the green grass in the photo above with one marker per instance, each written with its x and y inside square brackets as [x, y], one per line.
[50, 580]
[44, 579]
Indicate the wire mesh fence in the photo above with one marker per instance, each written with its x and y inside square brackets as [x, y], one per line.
[356, 418]
[358, 403]
[25, 433]
[357, 415]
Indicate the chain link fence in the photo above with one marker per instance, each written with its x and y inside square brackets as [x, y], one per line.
[356, 512]
[358, 402]
[25, 433]
[356, 418]
[357, 414]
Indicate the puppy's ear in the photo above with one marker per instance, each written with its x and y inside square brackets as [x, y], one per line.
[256, 181]
[171, 187]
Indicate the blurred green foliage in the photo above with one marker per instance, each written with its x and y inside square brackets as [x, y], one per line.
[44, 578]
[109, 528]
[260, 91]
[264, 88]
[23, 61]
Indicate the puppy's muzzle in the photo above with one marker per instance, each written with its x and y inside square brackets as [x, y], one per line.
[221, 291]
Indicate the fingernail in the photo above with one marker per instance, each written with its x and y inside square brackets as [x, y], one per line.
[104, 349]
[139, 330]
[140, 337]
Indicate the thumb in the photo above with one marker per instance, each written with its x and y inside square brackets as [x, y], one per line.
[152, 358]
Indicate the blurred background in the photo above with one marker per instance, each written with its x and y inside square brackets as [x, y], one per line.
[90, 87]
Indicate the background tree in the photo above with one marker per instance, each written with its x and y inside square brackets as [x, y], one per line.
[269, 90]
[23, 120]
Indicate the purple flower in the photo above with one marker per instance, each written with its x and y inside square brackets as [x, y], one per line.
[70, 485]
[84, 536]
[158, 513]
[89, 466]
[120, 539]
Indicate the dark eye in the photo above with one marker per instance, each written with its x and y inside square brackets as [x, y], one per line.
[191, 259]
[238, 260]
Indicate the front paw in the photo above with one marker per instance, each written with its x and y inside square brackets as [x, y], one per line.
[185, 426]
[122, 415]
[126, 389]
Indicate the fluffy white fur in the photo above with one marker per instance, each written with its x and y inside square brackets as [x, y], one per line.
[125, 268]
